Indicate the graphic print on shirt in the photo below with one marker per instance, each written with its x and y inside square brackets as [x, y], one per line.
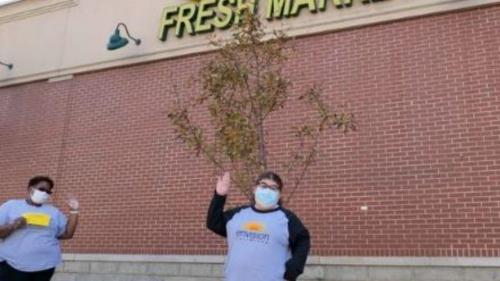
[253, 231]
[37, 219]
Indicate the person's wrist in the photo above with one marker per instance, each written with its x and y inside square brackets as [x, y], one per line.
[74, 211]
[221, 192]
[13, 227]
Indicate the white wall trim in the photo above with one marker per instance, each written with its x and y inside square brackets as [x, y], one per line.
[313, 260]
[22, 10]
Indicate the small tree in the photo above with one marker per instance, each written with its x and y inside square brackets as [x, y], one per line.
[241, 87]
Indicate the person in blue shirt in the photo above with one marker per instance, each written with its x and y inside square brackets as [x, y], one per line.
[31, 229]
[266, 242]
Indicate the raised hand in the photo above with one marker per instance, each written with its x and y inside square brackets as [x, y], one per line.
[223, 184]
[73, 204]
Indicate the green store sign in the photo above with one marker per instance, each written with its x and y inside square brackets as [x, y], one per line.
[207, 15]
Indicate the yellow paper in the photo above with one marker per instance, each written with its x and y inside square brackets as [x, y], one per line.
[38, 219]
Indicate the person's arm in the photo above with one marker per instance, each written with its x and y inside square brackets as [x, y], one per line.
[216, 221]
[216, 218]
[70, 227]
[300, 242]
[72, 221]
[7, 229]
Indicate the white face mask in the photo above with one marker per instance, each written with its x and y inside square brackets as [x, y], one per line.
[39, 197]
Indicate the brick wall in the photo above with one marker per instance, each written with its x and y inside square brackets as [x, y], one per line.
[425, 160]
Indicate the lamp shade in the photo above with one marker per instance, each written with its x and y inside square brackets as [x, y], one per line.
[116, 41]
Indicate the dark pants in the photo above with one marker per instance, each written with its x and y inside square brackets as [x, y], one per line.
[8, 273]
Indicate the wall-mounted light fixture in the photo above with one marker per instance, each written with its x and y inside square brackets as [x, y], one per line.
[116, 41]
[8, 65]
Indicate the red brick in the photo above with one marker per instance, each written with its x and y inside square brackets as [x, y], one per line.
[426, 157]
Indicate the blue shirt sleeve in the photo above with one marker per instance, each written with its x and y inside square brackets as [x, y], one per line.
[4, 213]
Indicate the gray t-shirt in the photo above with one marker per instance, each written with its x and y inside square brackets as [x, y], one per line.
[257, 245]
[262, 245]
[33, 247]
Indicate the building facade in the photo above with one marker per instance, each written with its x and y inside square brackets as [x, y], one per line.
[412, 195]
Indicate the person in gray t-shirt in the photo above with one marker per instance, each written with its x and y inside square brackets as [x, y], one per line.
[31, 230]
[266, 242]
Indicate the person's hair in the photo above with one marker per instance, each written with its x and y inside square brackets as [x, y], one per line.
[270, 176]
[37, 179]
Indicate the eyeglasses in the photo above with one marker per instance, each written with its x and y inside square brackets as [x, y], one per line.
[272, 187]
[43, 189]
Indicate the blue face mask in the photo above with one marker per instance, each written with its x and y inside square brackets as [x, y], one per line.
[266, 197]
